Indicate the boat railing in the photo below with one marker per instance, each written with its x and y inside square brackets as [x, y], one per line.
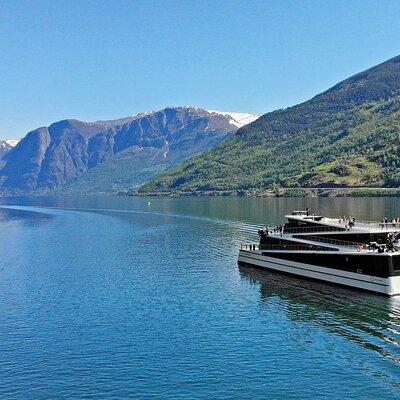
[283, 247]
[305, 229]
[364, 225]
[377, 225]
[336, 242]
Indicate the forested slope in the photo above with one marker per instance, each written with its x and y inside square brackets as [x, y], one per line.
[347, 136]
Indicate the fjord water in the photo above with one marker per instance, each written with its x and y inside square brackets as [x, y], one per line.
[112, 297]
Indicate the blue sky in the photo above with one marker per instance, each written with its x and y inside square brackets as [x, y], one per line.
[108, 59]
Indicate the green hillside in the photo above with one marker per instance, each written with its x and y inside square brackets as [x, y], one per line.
[347, 136]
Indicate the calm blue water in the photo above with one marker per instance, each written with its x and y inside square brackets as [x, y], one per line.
[112, 298]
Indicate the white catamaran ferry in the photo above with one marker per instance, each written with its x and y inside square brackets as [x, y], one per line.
[363, 255]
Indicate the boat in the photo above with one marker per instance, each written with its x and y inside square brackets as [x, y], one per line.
[360, 254]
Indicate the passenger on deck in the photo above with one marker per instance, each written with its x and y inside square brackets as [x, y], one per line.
[263, 234]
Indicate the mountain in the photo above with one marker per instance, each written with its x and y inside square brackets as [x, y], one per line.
[108, 156]
[348, 136]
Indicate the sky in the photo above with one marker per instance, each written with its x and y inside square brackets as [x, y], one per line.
[92, 60]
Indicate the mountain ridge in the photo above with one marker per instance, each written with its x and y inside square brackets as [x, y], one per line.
[60, 155]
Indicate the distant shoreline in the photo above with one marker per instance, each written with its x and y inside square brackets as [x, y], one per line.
[281, 192]
[277, 192]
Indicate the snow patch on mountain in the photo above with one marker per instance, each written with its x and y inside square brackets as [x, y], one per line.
[237, 119]
[8, 143]
[12, 142]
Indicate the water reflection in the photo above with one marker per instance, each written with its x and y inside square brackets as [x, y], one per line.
[371, 321]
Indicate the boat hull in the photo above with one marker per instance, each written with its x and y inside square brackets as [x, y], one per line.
[389, 286]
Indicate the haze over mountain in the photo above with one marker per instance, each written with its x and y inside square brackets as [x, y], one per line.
[348, 136]
[108, 156]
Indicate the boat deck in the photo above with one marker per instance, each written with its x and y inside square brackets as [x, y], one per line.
[303, 241]
[336, 245]
[340, 225]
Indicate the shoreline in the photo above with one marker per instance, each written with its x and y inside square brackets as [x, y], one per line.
[270, 193]
[281, 192]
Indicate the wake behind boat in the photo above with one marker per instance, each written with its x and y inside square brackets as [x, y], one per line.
[363, 255]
